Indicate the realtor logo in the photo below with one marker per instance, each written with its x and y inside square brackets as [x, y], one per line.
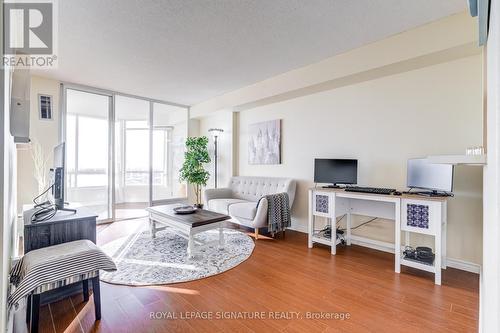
[29, 33]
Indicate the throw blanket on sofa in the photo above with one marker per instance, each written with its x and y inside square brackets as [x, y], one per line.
[55, 266]
[278, 212]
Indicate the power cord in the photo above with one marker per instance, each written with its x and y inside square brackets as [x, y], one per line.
[329, 227]
[40, 195]
[339, 233]
[44, 214]
[45, 210]
[338, 221]
[361, 224]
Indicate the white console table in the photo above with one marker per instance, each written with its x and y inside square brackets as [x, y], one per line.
[411, 213]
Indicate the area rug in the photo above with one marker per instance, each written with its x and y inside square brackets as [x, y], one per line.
[142, 260]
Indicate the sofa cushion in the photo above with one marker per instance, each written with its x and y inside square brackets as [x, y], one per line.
[245, 210]
[221, 205]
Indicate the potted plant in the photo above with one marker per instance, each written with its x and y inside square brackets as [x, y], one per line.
[192, 170]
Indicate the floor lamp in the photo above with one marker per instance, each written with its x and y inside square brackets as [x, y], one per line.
[215, 132]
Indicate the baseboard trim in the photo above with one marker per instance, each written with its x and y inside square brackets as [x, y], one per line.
[299, 228]
[380, 246]
[463, 265]
[373, 244]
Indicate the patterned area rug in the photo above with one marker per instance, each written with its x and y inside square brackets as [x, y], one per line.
[142, 260]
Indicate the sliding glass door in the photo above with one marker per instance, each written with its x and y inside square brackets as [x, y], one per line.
[131, 157]
[87, 151]
[123, 153]
[169, 135]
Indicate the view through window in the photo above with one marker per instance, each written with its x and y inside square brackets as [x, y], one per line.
[140, 128]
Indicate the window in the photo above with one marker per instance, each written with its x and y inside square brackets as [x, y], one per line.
[112, 145]
[87, 151]
[87, 136]
[45, 107]
[169, 134]
[136, 153]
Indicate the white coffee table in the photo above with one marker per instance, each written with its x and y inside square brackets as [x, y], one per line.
[187, 225]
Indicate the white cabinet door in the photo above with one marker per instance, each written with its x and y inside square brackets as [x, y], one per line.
[420, 216]
[323, 204]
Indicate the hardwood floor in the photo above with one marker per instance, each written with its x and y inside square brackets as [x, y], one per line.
[282, 276]
[130, 210]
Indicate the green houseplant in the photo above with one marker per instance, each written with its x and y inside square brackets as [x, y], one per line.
[192, 170]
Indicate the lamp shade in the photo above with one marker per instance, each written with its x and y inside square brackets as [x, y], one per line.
[215, 132]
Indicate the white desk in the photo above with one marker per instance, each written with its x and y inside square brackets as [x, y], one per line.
[411, 213]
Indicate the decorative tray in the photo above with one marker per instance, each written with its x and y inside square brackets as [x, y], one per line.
[184, 210]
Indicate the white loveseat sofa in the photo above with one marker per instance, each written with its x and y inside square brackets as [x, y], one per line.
[239, 199]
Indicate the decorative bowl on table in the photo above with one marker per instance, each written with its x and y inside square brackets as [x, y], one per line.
[184, 210]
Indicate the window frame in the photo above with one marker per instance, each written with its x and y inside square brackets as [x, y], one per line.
[51, 99]
[64, 86]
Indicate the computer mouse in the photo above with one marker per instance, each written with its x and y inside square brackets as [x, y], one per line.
[396, 193]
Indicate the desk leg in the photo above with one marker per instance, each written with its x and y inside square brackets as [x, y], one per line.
[437, 260]
[152, 227]
[348, 227]
[221, 236]
[333, 222]
[333, 233]
[397, 238]
[444, 230]
[310, 225]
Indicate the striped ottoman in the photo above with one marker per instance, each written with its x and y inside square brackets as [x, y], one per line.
[54, 267]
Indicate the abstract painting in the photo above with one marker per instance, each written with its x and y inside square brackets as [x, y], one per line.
[264, 142]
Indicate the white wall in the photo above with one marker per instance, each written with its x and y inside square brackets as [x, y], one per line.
[7, 192]
[382, 123]
[44, 132]
[410, 95]
[7, 196]
[489, 320]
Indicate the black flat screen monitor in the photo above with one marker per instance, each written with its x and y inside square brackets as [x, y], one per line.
[335, 171]
[58, 189]
[424, 175]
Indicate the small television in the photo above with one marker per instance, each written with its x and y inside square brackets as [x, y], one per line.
[436, 178]
[58, 189]
[335, 171]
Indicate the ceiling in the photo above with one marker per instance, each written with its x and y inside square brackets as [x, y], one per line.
[187, 51]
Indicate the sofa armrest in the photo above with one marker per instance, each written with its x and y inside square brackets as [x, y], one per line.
[218, 193]
[260, 219]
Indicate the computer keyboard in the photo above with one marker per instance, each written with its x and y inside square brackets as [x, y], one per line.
[374, 190]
